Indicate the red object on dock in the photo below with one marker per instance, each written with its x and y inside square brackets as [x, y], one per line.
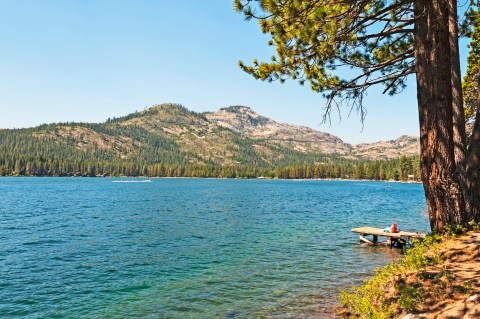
[394, 228]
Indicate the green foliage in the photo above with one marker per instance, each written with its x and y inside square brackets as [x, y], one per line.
[471, 79]
[455, 230]
[371, 300]
[473, 225]
[25, 153]
[467, 286]
[409, 297]
[368, 300]
[418, 257]
[318, 42]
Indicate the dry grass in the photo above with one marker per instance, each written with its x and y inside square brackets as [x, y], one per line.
[450, 289]
[434, 281]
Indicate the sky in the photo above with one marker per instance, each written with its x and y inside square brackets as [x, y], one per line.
[88, 60]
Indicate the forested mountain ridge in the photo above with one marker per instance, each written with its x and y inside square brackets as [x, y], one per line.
[213, 136]
[170, 134]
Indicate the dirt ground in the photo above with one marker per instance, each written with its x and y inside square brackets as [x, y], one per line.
[451, 289]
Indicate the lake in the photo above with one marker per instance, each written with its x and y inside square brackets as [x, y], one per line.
[191, 248]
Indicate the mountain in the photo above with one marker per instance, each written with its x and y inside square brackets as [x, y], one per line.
[246, 122]
[403, 146]
[171, 134]
[242, 120]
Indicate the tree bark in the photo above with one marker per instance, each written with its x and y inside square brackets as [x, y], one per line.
[459, 134]
[432, 52]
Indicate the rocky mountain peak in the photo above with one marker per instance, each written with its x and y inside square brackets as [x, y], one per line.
[405, 145]
[237, 109]
[404, 139]
[240, 119]
[243, 120]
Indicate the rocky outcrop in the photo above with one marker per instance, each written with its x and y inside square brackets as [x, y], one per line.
[245, 121]
[402, 146]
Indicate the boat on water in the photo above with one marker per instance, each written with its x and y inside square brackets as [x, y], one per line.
[134, 181]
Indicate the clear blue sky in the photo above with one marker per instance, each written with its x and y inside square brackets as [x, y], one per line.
[87, 60]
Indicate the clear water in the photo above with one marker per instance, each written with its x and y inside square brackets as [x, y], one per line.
[190, 248]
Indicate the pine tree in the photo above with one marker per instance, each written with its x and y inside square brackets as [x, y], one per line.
[383, 42]
[470, 81]
[471, 87]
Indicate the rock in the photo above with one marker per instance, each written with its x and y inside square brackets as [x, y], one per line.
[474, 298]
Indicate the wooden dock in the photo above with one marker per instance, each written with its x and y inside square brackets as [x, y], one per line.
[392, 238]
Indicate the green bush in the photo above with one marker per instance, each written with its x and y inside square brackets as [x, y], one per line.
[370, 300]
[409, 297]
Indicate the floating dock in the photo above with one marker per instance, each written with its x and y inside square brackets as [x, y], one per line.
[392, 238]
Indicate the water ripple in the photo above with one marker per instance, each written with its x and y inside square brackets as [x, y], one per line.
[190, 248]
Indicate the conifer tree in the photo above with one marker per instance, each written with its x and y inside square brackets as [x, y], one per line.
[470, 81]
[382, 42]
[471, 88]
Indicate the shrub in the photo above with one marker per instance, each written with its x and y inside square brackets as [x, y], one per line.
[371, 300]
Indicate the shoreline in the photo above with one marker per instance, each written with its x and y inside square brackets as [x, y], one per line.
[436, 280]
[226, 178]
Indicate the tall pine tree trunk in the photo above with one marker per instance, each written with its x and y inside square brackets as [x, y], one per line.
[459, 134]
[473, 164]
[438, 171]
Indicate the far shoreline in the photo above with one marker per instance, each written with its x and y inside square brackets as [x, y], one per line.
[226, 178]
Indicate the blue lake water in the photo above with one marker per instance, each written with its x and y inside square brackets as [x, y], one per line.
[190, 248]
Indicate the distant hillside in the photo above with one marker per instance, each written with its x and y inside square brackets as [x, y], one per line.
[170, 134]
[248, 123]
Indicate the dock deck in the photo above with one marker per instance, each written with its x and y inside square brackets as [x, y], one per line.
[392, 238]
